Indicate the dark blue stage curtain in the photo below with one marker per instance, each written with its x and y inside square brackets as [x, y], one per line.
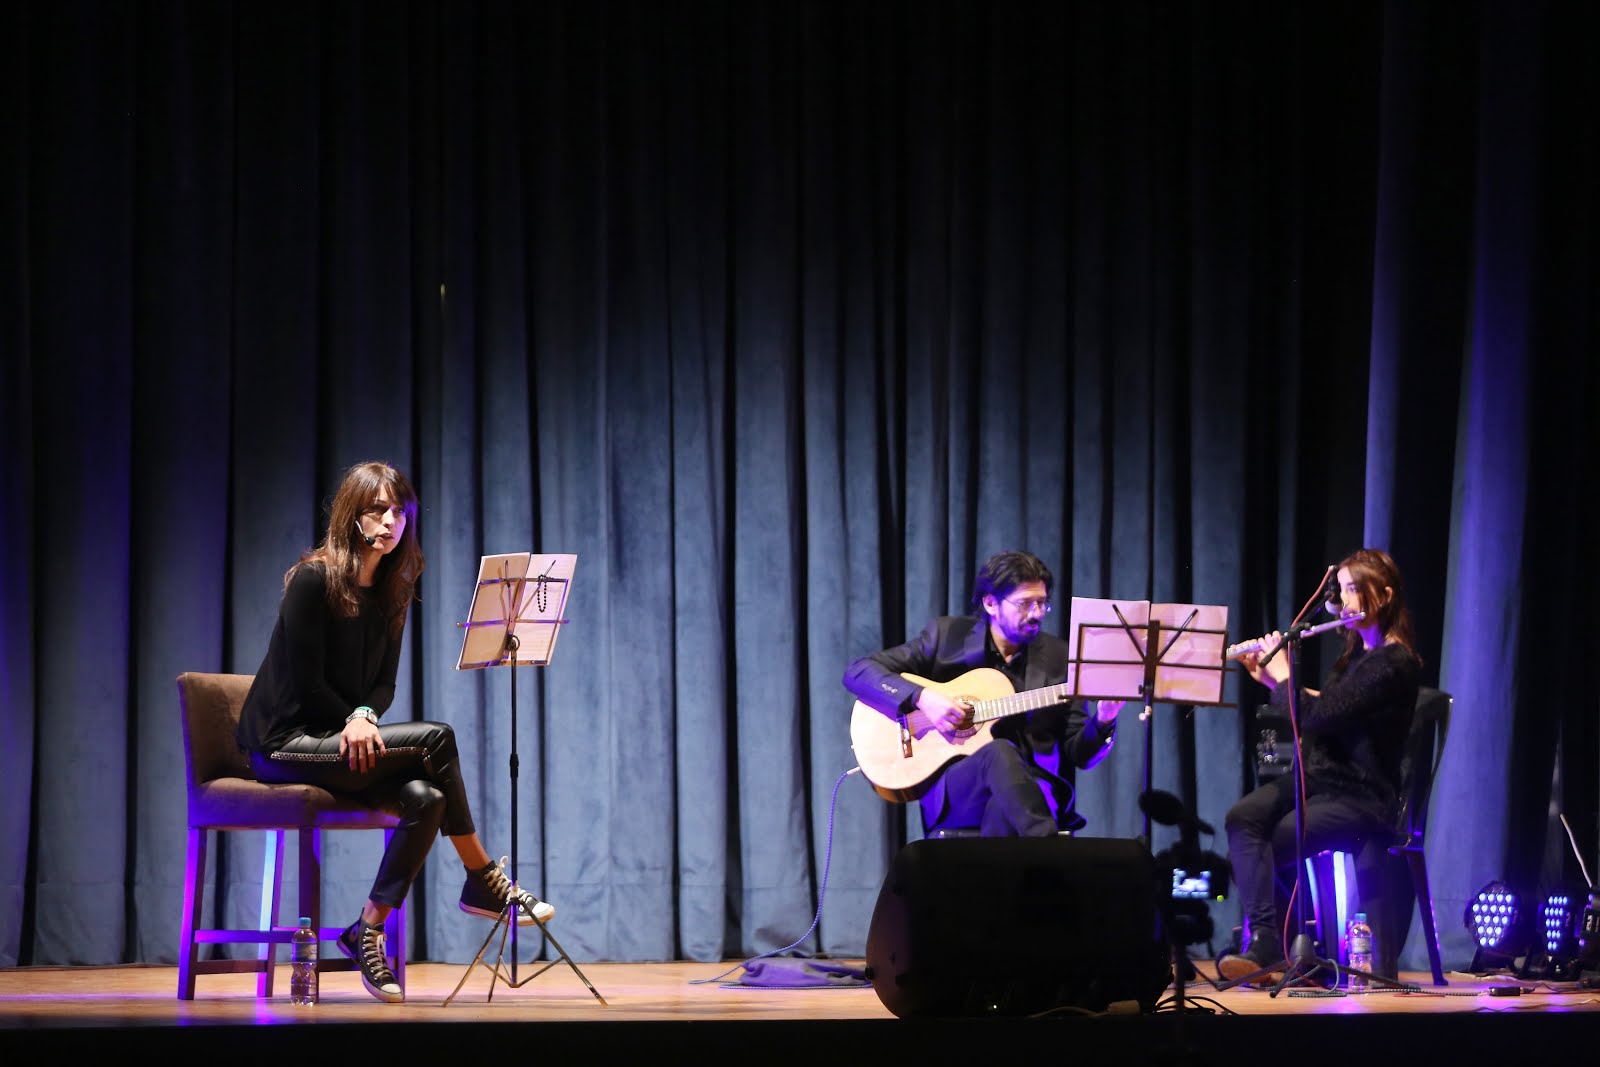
[782, 316]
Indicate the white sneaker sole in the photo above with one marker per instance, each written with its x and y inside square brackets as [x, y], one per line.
[543, 912]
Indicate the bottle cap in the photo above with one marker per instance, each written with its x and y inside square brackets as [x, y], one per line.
[1361, 916]
[305, 920]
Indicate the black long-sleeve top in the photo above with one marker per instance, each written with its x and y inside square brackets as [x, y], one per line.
[1353, 735]
[318, 667]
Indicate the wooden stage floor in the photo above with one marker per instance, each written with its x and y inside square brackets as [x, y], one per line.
[649, 1009]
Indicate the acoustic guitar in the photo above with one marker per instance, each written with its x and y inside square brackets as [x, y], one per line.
[903, 756]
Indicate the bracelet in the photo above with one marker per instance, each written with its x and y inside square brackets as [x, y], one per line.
[363, 712]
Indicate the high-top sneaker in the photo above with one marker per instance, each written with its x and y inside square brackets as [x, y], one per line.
[364, 944]
[489, 890]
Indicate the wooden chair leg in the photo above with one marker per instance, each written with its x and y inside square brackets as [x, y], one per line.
[194, 898]
[1323, 902]
[1430, 934]
[394, 931]
[267, 914]
[1375, 891]
[311, 882]
[394, 934]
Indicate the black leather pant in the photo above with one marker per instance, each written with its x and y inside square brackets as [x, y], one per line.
[419, 774]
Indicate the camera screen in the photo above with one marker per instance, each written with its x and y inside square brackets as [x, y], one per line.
[1186, 886]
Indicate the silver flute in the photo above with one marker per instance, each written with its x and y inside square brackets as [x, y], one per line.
[1257, 644]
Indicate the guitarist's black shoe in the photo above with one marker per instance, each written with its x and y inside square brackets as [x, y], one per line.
[1264, 954]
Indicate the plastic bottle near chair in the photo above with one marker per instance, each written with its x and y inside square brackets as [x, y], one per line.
[1358, 942]
[303, 964]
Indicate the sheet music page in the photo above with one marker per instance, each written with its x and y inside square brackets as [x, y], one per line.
[492, 608]
[1192, 668]
[1110, 661]
[542, 607]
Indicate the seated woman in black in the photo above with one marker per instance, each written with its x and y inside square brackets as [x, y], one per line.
[1352, 737]
[311, 714]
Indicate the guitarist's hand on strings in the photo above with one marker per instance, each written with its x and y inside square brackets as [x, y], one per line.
[947, 716]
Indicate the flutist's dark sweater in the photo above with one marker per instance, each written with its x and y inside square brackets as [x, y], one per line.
[1353, 735]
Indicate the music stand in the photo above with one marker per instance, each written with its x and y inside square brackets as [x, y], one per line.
[517, 609]
[1136, 650]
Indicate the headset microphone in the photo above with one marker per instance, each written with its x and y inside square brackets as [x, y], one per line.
[369, 540]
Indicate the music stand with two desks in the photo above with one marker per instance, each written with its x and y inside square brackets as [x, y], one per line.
[1152, 653]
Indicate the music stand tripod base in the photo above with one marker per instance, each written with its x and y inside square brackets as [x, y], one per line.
[498, 973]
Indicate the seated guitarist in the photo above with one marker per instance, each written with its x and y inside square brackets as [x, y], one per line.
[996, 788]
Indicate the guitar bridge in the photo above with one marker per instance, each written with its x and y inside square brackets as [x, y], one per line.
[905, 737]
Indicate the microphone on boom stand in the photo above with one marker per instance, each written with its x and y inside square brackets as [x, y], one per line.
[1332, 601]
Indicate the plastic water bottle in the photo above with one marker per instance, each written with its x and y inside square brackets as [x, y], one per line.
[1358, 942]
[303, 964]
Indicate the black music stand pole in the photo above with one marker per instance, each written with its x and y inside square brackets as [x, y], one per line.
[512, 644]
[1148, 716]
[1302, 961]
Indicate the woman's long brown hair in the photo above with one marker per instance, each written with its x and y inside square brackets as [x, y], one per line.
[1373, 570]
[340, 551]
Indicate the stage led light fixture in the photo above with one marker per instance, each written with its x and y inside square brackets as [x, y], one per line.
[1566, 944]
[1560, 919]
[1495, 919]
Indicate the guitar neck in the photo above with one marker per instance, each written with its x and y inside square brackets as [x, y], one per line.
[1017, 703]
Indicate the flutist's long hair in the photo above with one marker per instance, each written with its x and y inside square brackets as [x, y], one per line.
[339, 554]
[1383, 598]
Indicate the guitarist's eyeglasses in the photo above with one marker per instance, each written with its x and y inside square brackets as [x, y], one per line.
[1043, 607]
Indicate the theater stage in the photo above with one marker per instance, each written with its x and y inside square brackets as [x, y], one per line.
[667, 1011]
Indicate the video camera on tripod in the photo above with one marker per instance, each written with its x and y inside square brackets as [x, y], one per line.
[1199, 876]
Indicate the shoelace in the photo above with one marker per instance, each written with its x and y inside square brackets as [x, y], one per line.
[373, 957]
[507, 890]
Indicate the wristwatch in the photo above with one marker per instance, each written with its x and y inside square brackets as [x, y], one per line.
[363, 712]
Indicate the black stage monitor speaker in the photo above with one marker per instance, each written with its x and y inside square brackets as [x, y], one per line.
[1019, 925]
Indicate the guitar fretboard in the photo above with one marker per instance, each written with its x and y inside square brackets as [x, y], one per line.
[1016, 703]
